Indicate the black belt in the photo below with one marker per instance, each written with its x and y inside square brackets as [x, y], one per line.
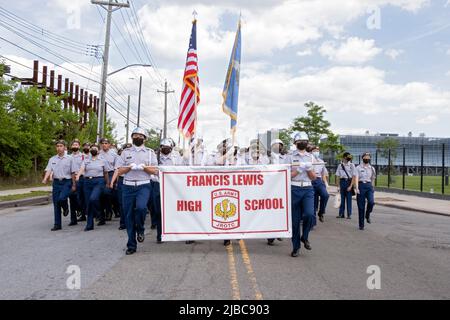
[364, 182]
[121, 178]
[93, 177]
[60, 180]
[344, 179]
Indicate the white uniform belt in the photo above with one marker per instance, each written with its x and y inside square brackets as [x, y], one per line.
[135, 183]
[301, 183]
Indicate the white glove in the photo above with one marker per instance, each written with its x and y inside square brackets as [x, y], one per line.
[133, 166]
[308, 166]
[141, 167]
[357, 191]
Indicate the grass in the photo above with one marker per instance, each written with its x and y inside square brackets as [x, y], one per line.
[21, 196]
[412, 183]
[6, 186]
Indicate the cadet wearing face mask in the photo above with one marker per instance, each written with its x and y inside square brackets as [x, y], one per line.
[320, 184]
[60, 167]
[346, 173]
[365, 177]
[139, 163]
[80, 183]
[74, 197]
[95, 180]
[302, 173]
[109, 196]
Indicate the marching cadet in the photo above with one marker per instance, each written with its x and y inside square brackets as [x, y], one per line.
[60, 167]
[302, 173]
[257, 153]
[365, 177]
[109, 197]
[96, 179]
[346, 173]
[119, 185]
[320, 184]
[277, 157]
[223, 157]
[80, 183]
[138, 165]
[167, 157]
[74, 198]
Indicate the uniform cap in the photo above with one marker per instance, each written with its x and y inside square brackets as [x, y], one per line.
[276, 141]
[166, 143]
[139, 130]
[301, 136]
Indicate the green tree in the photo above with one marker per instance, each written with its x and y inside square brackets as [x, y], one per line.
[317, 128]
[153, 139]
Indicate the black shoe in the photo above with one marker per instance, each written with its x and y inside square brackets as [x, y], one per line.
[72, 224]
[116, 215]
[159, 241]
[270, 242]
[348, 217]
[294, 253]
[65, 212]
[189, 242]
[279, 239]
[101, 223]
[122, 228]
[81, 219]
[361, 228]
[321, 218]
[340, 217]
[226, 242]
[140, 237]
[153, 226]
[306, 244]
[88, 229]
[56, 228]
[368, 219]
[130, 251]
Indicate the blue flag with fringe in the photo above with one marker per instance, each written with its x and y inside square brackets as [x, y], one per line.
[231, 88]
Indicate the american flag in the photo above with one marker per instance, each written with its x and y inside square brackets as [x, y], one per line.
[190, 94]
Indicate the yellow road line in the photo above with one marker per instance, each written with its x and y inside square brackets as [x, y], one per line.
[233, 273]
[251, 274]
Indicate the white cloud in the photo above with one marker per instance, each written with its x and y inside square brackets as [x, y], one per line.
[353, 51]
[393, 53]
[304, 53]
[429, 119]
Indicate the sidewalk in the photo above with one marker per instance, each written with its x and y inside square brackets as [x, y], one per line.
[412, 203]
[23, 191]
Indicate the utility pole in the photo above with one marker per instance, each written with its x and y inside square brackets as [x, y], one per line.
[166, 92]
[139, 102]
[128, 118]
[108, 6]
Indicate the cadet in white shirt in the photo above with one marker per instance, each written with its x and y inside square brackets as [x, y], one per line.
[138, 165]
[365, 177]
[346, 173]
[60, 167]
[320, 184]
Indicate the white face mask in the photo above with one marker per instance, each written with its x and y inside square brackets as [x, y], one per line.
[316, 154]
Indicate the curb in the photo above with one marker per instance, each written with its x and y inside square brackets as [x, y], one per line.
[389, 205]
[26, 202]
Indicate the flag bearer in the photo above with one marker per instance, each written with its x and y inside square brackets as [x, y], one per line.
[302, 173]
[138, 165]
[365, 177]
[60, 167]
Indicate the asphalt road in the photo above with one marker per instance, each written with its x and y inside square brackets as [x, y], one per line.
[411, 249]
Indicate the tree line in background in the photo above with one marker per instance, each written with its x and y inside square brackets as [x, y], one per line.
[31, 120]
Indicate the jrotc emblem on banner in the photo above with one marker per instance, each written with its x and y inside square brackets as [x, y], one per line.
[225, 209]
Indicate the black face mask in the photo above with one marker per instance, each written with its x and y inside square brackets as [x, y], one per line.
[301, 145]
[75, 149]
[94, 152]
[165, 151]
[366, 161]
[348, 159]
[86, 150]
[138, 142]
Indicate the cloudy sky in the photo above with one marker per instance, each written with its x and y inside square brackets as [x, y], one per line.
[378, 65]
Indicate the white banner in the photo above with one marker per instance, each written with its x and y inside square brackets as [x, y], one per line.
[225, 202]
